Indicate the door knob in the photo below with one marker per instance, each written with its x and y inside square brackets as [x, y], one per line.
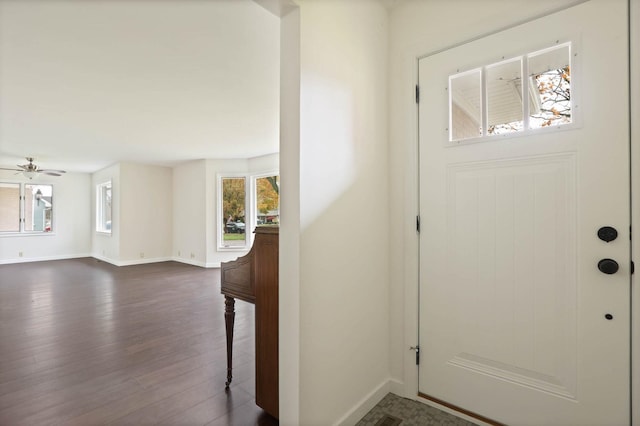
[607, 233]
[608, 266]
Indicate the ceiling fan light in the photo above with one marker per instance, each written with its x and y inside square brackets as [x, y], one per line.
[29, 174]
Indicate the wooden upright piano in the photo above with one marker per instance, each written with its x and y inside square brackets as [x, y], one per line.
[254, 279]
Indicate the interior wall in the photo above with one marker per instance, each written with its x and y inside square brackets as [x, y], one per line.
[146, 212]
[195, 207]
[71, 222]
[190, 212]
[343, 210]
[418, 29]
[289, 262]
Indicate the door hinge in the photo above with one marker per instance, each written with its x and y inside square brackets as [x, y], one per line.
[417, 349]
[633, 267]
[417, 94]
[418, 224]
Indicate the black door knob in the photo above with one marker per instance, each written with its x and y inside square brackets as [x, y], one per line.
[608, 266]
[607, 233]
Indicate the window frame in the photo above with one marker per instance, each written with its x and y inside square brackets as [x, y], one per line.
[22, 211]
[101, 215]
[576, 119]
[220, 209]
[254, 192]
[250, 206]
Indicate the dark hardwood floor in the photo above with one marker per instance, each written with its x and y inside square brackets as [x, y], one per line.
[83, 342]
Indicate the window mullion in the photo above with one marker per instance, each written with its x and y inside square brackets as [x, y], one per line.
[525, 93]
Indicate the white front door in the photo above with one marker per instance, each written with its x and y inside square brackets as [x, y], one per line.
[517, 322]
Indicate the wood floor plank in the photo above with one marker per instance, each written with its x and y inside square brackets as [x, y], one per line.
[83, 342]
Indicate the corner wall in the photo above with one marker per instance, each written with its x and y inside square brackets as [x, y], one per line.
[339, 223]
[195, 207]
[142, 211]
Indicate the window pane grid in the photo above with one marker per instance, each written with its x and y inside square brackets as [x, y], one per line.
[512, 103]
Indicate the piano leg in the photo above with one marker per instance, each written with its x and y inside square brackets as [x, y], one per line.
[229, 318]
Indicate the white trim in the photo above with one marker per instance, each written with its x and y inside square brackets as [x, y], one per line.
[130, 262]
[219, 207]
[27, 234]
[359, 410]
[193, 262]
[634, 93]
[42, 258]
[101, 208]
[108, 260]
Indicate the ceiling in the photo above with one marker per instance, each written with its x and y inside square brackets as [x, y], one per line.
[88, 83]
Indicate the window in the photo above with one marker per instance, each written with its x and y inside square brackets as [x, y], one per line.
[26, 208]
[267, 198]
[259, 195]
[234, 225]
[10, 207]
[497, 100]
[103, 207]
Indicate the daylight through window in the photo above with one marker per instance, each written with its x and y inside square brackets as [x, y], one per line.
[104, 207]
[233, 212]
[497, 100]
[268, 200]
[26, 208]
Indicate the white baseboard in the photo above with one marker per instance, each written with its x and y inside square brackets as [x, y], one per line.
[189, 261]
[397, 387]
[365, 405]
[42, 259]
[131, 262]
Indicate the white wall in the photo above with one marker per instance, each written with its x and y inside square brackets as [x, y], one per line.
[142, 215]
[146, 212]
[71, 221]
[343, 211]
[190, 213]
[289, 263]
[195, 207]
[416, 29]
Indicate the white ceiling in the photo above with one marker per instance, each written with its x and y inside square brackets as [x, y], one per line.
[85, 84]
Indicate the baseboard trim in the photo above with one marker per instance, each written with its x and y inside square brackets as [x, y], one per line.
[190, 262]
[357, 412]
[42, 259]
[131, 262]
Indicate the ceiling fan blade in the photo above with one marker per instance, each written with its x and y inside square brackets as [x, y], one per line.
[49, 172]
[13, 170]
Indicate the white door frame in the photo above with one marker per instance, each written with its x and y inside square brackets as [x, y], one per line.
[634, 63]
[409, 387]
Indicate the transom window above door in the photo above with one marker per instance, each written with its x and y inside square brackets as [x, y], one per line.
[490, 100]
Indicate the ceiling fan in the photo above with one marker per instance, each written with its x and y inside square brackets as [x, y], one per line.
[31, 170]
